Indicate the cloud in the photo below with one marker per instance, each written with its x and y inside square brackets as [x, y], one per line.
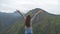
[51, 6]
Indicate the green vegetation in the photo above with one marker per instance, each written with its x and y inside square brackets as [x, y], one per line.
[43, 23]
[14, 29]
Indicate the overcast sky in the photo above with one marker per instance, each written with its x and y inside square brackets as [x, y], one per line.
[51, 6]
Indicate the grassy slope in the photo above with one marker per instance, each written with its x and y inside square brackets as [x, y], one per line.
[14, 29]
[38, 28]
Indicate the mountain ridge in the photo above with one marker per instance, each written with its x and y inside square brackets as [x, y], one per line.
[43, 23]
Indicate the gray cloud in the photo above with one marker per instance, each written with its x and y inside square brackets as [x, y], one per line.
[51, 6]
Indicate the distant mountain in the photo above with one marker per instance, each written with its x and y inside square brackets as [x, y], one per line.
[8, 19]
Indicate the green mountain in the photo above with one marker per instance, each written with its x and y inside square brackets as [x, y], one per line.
[43, 23]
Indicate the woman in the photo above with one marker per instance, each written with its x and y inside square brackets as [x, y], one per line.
[28, 27]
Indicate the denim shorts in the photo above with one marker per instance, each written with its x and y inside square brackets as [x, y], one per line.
[28, 31]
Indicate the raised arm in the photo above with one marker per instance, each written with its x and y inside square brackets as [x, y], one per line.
[40, 11]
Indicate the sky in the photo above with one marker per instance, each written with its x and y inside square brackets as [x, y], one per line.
[51, 6]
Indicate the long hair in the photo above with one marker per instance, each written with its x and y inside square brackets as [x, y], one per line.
[27, 22]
